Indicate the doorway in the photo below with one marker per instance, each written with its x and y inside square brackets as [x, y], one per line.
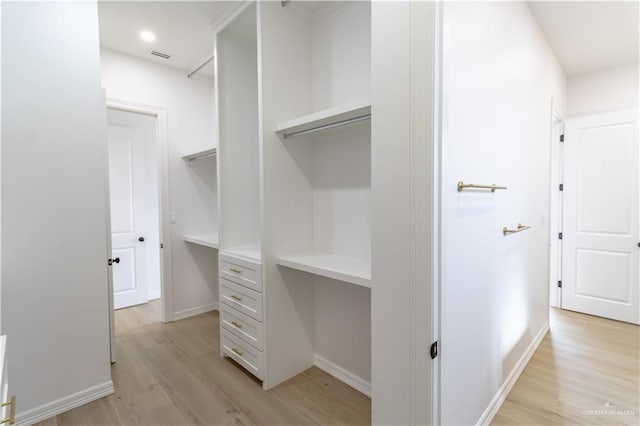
[130, 121]
[599, 216]
[133, 193]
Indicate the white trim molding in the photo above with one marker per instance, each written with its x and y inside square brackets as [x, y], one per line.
[501, 395]
[64, 404]
[343, 375]
[195, 311]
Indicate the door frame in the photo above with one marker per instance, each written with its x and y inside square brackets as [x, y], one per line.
[166, 282]
[556, 177]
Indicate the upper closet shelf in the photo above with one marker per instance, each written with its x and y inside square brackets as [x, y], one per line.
[210, 241]
[341, 115]
[342, 268]
[197, 154]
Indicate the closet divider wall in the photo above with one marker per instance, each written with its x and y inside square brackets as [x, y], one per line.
[308, 159]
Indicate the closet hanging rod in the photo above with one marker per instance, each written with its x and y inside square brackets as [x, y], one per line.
[462, 185]
[328, 126]
[199, 67]
[520, 228]
[199, 157]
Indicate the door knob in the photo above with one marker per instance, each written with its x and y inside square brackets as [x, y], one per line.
[638, 244]
[141, 239]
[116, 260]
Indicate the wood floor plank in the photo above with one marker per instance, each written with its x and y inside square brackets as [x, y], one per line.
[200, 404]
[247, 394]
[341, 390]
[319, 403]
[586, 371]
[173, 374]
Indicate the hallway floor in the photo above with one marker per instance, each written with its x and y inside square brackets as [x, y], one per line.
[585, 371]
[173, 374]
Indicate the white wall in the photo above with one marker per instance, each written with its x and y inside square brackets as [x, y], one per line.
[402, 100]
[54, 240]
[499, 78]
[609, 89]
[189, 104]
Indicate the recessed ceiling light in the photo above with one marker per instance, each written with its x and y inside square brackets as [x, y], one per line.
[147, 36]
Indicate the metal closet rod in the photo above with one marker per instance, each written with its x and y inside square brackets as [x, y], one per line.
[199, 157]
[199, 67]
[328, 126]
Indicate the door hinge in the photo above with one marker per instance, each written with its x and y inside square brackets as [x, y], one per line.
[561, 187]
[559, 284]
[161, 245]
[560, 235]
[561, 138]
[110, 262]
[434, 350]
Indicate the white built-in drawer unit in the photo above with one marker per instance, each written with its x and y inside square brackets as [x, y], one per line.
[241, 298]
[241, 311]
[241, 271]
[243, 353]
[242, 326]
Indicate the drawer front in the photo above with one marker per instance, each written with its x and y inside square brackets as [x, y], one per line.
[243, 353]
[241, 271]
[242, 326]
[245, 300]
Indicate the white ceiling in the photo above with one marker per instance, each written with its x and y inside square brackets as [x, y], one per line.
[589, 36]
[586, 36]
[182, 29]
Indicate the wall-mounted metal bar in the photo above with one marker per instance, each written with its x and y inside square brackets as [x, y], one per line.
[520, 228]
[462, 186]
[11, 420]
[328, 126]
[199, 67]
[199, 157]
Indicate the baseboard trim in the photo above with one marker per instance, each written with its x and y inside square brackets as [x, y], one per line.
[195, 311]
[343, 375]
[506, 387]
[154, 295]
[64, 404]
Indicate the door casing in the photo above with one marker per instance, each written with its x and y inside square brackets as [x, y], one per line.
[166, 284]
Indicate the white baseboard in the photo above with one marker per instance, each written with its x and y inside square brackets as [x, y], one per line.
[506, 387]
[195, 311]
[153, 295]
[343, 375]
[62, 405]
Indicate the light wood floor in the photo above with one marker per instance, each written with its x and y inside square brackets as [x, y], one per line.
[172, 374]
[583, 364]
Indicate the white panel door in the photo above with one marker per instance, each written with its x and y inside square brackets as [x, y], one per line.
[601, 216]
[127, 195]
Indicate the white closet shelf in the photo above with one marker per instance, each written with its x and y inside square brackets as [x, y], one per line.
[329, 118]
[251, 253]
[343, 268]
[197, 154]
[210, 241]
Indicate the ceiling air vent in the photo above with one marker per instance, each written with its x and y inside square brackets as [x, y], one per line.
[160, 54]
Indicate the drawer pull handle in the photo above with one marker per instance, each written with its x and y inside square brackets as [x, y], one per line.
[12, 411]
[237, 351]
[236, 324]
[236, 270]
[238, 298]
